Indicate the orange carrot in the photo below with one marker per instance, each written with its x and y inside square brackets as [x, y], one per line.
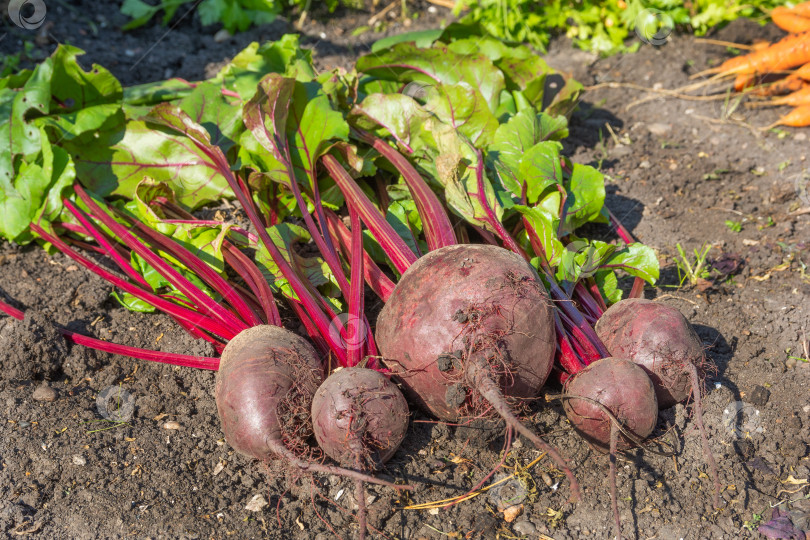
[791, 51]
[789, 21]
[802, 9]
[794, 99]
[798, 117]
[798, 98]
[759, 45]
[803, 72]
[781, 87]
[744, 80]
[793, 82]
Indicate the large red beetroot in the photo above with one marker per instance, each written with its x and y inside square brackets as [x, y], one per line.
[460, 300]
[465, 326]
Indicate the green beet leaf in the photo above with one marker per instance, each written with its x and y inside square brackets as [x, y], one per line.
[405, 62]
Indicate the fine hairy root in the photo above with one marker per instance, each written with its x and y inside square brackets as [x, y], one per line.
[282, 451]
[478, 374]
[360, 495]
[614, 496]
[707, 451]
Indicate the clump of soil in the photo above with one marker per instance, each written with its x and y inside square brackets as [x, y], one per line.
[33, 349]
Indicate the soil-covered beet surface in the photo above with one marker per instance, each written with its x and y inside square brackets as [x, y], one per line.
[95, 446]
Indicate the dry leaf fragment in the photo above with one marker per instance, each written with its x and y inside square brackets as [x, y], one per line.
[511, 513]
[794, 481]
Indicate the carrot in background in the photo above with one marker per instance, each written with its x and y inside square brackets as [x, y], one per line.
[802, 9]
[794, 99]
[744, 80]
[787, 53]
[795, 81]
[798, 117]
[790, 21]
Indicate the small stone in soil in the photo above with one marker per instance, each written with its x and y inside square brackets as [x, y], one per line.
[620, 150]
[171, 424]
[256, 503]
[44, 393]
[24, 424]
[745, 449]
[79, 460]
[222, 35]
[659, 129]
[760, 395]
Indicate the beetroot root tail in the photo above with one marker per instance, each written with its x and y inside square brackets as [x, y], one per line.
[707, 451]
[360, 495]
[282, 451]
[614, 495]
[485, 386]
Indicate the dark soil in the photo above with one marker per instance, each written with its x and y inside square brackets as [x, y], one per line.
[680, 170]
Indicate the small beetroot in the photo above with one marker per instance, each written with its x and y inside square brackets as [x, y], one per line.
[660, 339]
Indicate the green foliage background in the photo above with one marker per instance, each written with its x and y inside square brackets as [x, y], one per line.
[601, 26]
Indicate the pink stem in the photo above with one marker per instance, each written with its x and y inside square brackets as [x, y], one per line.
[309, 305]
[492, 218]
[201, 362]
[190, 316]
[438, 229]
[627, 237]
[107, 246]
[206, 304]
[11, 311]
[354, 326]
[375, 277]
[396, 248]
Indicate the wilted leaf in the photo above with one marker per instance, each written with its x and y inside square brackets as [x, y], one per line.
[780, 527]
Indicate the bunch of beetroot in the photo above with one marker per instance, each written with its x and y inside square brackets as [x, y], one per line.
[467, 233]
